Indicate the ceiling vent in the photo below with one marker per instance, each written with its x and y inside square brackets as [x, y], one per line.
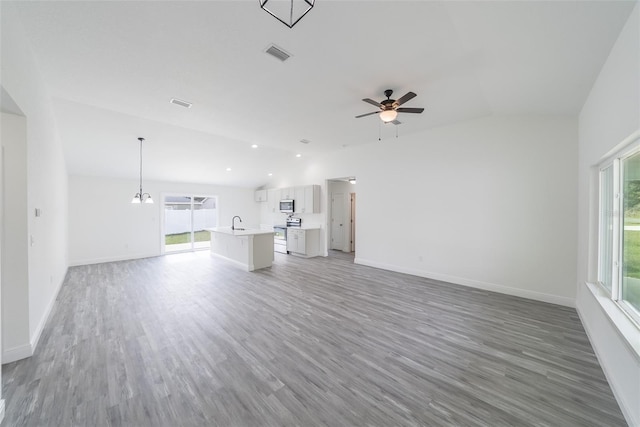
[305, 141]
[277, 52]
[181, 103]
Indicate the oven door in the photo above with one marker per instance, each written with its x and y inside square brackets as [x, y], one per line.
[280, 240]
[281, 233]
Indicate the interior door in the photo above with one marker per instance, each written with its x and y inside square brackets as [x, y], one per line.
[337, 221]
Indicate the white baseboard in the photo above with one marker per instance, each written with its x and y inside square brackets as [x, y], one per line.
[245, 267]
[16, 353]
[45, 317]
[538, 296]
[27, 350]
[75, 263]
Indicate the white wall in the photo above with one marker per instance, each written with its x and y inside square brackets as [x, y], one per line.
[104, 225]
[46, 187]
[483, 203]
[610, 114]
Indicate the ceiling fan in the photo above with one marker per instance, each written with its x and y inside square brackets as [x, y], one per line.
[389, 107]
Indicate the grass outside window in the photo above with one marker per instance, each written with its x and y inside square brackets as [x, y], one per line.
[176, 239]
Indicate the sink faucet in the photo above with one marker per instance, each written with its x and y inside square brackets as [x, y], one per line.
[233, 222]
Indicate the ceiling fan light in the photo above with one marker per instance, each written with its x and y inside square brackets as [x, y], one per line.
[388, 115]
[148, 199]
[289, 12]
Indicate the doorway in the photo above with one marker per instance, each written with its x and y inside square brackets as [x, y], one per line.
[186, 219]
[342, 214]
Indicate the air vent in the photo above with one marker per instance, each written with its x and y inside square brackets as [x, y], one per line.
[305, 141]
[181, 103]
[277, 52]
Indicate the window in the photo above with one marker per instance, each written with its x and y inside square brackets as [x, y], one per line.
[619, 231]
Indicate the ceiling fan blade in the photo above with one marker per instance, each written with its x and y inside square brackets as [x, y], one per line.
[368, 114]
[409, 110]
[405, 98]
[396, 122]
[372, 102]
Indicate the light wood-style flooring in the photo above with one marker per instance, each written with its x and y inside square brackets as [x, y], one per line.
[191, 340]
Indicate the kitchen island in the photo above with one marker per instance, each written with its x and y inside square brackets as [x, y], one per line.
[251, 248]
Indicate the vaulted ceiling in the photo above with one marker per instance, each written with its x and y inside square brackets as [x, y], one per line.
[113, 66]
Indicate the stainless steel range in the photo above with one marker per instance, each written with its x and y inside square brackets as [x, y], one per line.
[280, 238]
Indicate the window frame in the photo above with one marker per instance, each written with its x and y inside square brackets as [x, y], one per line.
[616, 160]
[192, 196]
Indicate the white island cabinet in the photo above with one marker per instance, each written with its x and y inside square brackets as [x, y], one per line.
[252, 249]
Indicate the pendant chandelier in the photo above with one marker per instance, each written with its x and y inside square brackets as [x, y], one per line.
[289, 12]
[141, 197]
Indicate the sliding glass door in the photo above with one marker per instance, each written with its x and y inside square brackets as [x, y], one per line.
[186, 218]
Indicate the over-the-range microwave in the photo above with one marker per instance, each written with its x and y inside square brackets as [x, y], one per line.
[286, 206]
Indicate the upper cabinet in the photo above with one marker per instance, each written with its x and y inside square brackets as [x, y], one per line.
[306, 198]
[273, 200]
[287, 193]
[261, 196]
[298, 200]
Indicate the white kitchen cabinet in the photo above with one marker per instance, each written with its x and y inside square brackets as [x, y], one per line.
[273, 200]
[287, 193]
[303, 242]
[307, 199]
[260, 196]
[311, 199]
[296, 241]
[299, 200]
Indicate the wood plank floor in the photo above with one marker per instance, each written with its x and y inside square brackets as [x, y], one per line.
[191, 340]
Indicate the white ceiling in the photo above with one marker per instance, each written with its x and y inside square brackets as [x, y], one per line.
[113, 66]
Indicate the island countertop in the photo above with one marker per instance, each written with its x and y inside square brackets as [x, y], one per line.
[236, 232]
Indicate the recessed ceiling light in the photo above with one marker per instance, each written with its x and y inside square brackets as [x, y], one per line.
[254, 146]
[298, 155]
[181, 103]
[228, 169]
[270, 174]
